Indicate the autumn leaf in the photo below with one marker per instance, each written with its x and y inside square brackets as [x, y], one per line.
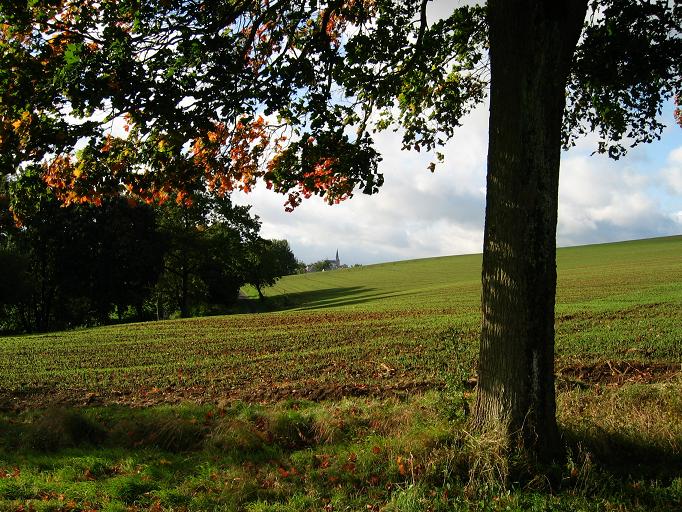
[349, 467]
[401, 466]
[324, 462]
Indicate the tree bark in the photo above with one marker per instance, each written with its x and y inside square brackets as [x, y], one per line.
[531, 47]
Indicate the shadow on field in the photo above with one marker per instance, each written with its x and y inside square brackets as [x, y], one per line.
[314, 299]
[624, 458]
[340, 301]
[329, 298]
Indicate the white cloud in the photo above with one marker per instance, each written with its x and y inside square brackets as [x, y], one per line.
[419, 214]
[601, 200]
[672, 173]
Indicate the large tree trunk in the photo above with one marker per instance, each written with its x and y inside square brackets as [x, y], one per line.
[531, 46]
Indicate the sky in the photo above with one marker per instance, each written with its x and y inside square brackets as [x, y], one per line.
[418, 214]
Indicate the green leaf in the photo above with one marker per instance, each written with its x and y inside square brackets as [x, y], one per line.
[72, 54]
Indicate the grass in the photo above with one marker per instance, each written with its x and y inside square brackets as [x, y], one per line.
[351, 395]
[351, 454]
[377, 330]
[247, 456]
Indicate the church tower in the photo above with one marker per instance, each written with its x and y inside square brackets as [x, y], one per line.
[338, 261]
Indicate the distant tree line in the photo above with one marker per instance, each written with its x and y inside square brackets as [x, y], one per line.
[124, 260]
[321, 266]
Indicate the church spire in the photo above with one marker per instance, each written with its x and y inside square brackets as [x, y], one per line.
[338, 261]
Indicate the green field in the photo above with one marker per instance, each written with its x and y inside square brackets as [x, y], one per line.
[358, 368]
[370, 330]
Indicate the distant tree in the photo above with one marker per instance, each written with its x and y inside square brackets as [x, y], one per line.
[205, 244]
[267, 261]
[46, 241]
[181, 230]
[15, 277]
[16, 287]
[221, 270]
[83, 261]
[126, 256]
[322, 266]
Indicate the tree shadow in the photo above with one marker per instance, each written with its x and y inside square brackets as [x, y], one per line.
[313, 299]
[625, 458]
[369, 297]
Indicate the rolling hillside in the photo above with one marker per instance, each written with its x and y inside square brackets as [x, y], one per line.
[371, 330]
[600, 276]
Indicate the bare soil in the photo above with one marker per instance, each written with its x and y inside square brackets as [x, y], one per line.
[604, 373]
[617, 373]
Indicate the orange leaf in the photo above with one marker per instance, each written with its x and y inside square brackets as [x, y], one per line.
[401, 466]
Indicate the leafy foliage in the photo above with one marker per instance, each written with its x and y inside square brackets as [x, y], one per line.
[68, 265]
[228, 93]
[81, 261]
[206, 247]
[626, 66]
[267, 261]
[148, 65]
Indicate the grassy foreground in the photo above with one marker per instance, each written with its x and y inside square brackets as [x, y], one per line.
[341, 402]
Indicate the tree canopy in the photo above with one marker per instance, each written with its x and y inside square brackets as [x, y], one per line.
[287, 92]
[267, 261]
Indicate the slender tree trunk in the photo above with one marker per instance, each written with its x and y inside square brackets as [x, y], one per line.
[158, 312]
[531, 46]
[184, 299]
[139, 311]
[42, 309]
